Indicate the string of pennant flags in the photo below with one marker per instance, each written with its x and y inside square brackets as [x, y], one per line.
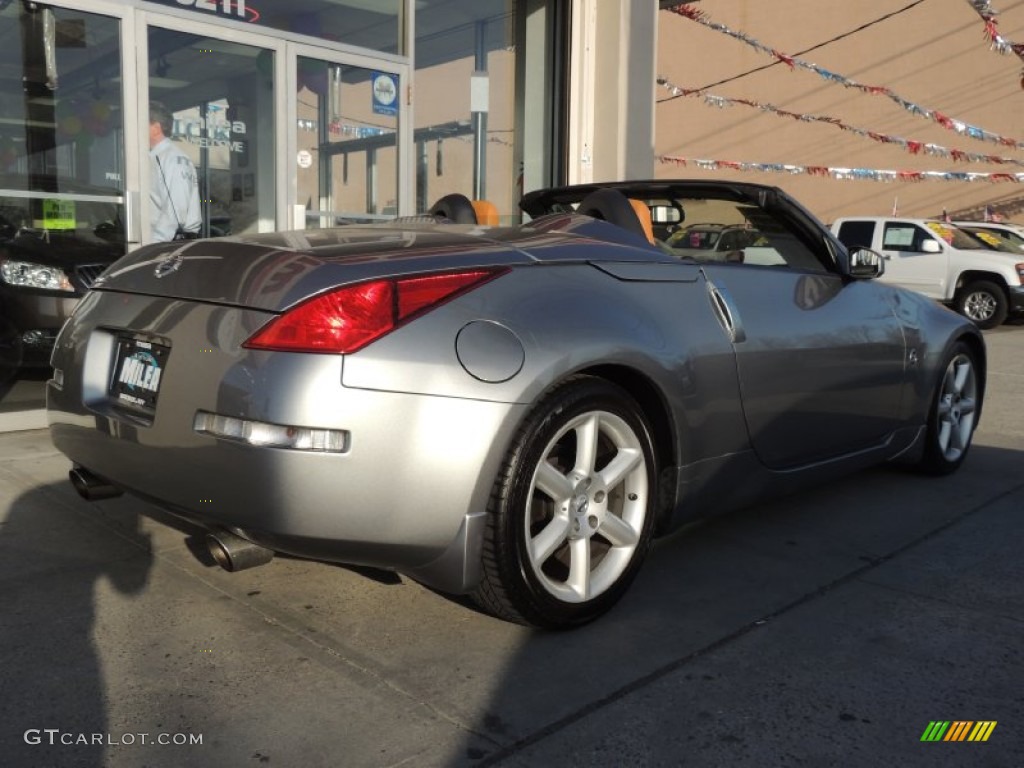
[842, 174]
[997, 42]
[688, 11]
[911, 146]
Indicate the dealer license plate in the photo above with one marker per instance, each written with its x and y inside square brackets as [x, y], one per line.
[138, 369]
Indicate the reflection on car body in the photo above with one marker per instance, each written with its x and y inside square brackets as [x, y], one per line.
[509, 412]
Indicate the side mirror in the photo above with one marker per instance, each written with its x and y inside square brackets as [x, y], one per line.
[931, 246]
[866, 264]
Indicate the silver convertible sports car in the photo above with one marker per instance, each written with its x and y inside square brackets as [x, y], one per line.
[511, 412]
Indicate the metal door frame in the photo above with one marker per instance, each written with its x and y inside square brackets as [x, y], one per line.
[124, 14]
[135, 23]
[147, 19]
[396, 65]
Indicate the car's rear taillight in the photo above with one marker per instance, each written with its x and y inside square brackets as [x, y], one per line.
[348, 318]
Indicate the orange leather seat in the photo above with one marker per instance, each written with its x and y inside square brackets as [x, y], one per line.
[487, 213]
[644, 214]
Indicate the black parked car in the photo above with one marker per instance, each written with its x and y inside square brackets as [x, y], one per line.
[51, 251]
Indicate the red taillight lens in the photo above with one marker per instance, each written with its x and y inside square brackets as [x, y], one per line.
[349, 318]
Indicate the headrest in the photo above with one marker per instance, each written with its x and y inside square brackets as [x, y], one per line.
[455, 208]
[486, 213]
[614, 207]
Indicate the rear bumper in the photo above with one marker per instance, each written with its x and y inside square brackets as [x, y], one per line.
[407, 493]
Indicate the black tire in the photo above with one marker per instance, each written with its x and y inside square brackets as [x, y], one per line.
[952, 416]
[984, 303]
[551, 509]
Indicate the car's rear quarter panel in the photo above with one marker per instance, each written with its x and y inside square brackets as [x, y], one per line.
[572, 318]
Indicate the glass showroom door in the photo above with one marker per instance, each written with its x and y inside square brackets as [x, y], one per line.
[220, 113]
[347, 161]
[62, 181]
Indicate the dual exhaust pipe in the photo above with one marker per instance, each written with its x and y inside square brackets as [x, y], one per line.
[230, 551]
[233, 553]
[92, 487]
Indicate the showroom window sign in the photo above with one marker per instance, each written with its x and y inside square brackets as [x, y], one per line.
[233, 9]
[214, 131]
[385, 94]
[372, 25]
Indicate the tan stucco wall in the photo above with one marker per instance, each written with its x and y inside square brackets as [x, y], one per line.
[934, 55]
[611, 82]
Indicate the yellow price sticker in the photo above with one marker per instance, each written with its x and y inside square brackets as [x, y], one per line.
[59, 214]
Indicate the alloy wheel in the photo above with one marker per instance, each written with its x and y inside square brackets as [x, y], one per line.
[957, 405]
[587, 505]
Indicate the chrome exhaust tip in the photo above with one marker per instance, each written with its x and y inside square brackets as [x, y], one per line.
[233, 553]
[92, 487]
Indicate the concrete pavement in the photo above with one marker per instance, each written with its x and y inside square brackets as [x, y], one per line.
[823, 629]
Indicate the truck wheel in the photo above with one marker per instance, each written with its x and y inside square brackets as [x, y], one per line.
[984, 303]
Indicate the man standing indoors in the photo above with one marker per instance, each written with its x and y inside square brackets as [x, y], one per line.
[174, 192]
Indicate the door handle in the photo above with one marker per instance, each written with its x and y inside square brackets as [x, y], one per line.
[726, 312]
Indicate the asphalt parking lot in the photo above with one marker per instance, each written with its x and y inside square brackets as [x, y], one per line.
[825, 629]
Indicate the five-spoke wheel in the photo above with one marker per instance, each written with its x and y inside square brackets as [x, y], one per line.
[572, 512]
[954, 412]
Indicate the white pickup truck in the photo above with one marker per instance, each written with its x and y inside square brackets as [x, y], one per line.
[942, 262]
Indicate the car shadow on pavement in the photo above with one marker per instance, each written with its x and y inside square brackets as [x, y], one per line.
[53, 710]
[843, 612]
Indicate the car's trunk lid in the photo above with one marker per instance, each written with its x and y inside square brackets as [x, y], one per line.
[276, 270]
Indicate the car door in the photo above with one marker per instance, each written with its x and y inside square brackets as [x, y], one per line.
[820, 358]
[908, 265]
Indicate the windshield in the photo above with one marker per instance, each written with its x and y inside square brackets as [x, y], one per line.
[692, 237]
[992, 240]
[955, 236]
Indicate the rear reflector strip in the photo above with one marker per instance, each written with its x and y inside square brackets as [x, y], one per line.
[263, 435]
